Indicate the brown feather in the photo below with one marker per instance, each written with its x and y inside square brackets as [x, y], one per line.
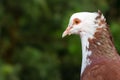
[105, 61]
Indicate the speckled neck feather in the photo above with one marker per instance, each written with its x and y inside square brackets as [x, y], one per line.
[103, 55]
[102, 45]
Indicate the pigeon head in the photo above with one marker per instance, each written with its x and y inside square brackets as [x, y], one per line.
[84, 23]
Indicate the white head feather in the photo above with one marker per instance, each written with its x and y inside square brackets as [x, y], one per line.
[84, 24]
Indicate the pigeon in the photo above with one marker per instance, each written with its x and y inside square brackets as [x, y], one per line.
[100, 59]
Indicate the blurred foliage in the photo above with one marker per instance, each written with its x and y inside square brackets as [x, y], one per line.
[31, 47]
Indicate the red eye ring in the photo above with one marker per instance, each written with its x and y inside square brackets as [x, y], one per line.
[76, 21]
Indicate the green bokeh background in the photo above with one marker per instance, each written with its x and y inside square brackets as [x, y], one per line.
[31, 47]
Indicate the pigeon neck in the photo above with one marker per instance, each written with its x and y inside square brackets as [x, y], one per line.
[100, 46]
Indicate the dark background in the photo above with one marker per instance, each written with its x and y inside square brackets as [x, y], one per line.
[31, 47]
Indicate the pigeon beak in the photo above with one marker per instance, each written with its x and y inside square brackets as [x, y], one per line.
[66, 32]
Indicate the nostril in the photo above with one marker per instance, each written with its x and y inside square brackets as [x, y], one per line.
[68, 28]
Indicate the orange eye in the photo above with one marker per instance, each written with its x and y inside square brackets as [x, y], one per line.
[76, 21]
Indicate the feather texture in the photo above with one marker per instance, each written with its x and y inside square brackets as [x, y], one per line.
[100, 60]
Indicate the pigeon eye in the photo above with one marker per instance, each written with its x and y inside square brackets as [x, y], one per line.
[76, 21]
